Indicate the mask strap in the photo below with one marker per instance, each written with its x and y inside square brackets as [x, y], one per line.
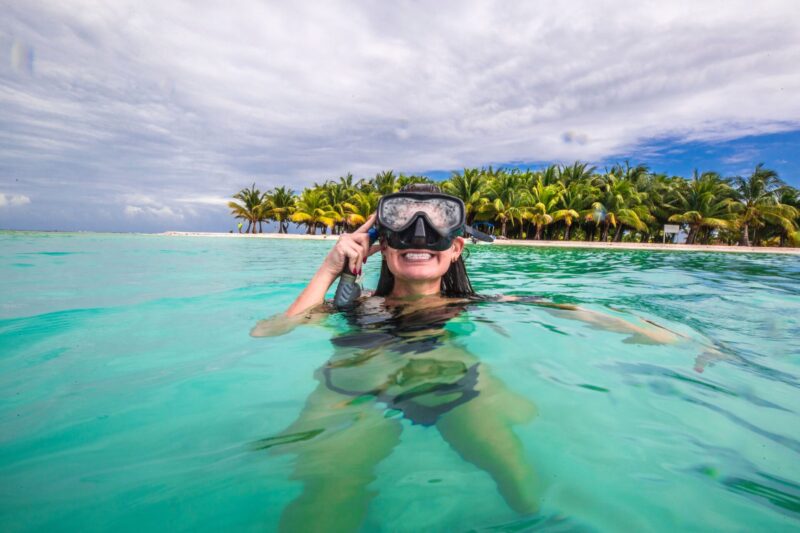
[481, 236]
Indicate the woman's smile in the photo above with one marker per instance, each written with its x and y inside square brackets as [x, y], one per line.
[417, 256]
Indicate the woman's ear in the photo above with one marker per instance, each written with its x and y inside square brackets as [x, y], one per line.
[458, 247]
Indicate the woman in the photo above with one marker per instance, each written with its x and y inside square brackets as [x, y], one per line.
[400, 355]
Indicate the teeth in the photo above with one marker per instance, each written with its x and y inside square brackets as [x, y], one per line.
[418, 256]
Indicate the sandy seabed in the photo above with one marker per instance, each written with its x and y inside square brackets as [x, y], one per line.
[535, 244]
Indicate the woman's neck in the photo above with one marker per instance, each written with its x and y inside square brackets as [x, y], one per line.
[411, 289]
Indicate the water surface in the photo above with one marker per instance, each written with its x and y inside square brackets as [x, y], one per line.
[133, 393]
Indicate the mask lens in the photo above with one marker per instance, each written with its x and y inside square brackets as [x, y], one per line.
[444, 214]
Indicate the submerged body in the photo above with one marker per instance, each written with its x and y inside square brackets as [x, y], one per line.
[400, 355]
[398, 361]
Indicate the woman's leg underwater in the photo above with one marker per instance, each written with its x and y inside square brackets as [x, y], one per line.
[343, 441]
[480, 431]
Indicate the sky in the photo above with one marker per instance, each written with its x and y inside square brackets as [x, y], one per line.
[147, 116]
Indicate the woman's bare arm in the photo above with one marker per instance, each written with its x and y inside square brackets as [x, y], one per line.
[282, 323]
[649, 333]
[351, 249]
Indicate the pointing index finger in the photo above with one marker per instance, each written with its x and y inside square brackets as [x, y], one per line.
[366, 225]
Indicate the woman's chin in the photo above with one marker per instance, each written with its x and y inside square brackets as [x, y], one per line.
[419, 275]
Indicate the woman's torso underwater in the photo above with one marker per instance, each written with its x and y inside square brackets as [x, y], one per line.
[405, 356]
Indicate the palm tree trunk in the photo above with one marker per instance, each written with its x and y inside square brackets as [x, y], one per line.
[618, 234]
[604, 234]
[538, 236]
[566, 232]
[249, 222]
[503, 229]
[745, 237]
[692, 234]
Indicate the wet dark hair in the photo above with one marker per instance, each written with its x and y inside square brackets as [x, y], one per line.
[455, 282]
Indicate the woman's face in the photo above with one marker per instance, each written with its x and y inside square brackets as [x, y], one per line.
[417, 265]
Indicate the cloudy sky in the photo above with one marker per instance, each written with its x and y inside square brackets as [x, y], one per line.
[144, 116]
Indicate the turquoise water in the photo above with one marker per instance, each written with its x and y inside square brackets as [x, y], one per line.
[133, 393]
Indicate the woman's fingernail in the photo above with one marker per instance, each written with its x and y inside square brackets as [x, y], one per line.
[364, 260]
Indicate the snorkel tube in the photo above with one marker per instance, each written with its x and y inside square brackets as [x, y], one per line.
[348, 290]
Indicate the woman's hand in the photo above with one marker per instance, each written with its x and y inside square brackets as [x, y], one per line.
[352, 249]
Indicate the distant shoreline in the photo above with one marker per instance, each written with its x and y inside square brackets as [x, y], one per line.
[534, 244]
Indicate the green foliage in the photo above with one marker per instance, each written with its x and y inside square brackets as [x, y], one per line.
[624, 203]
[249, 207]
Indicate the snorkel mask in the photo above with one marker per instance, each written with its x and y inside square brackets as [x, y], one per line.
[426, 220]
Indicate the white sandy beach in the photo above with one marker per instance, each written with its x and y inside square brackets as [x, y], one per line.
[535, 244]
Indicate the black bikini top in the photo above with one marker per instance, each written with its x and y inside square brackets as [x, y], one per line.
[401, 332]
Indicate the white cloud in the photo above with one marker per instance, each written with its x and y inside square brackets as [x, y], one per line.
[150, 208]
[126, 98]
[204, 200]
[13, 200]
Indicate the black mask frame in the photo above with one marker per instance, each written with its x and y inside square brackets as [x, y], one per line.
[419, 232]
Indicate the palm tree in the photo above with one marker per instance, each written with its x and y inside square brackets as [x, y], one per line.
[346, 181]
[469, 186]
[549, 175]
[544, 200]
[360, 207]
[706, 202]
[403, 180]
[626, 197]
[658, 190]
[576, 198]
[790, 197]
[313, 209]
[619, 203]
[633, 174]
[512, 207]
[280, 204]
[386, 182]
[250, 208]
[506, 201]
[337, 195]
[757, 195]
[576, 173]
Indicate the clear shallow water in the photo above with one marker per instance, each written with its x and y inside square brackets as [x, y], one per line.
[133, 394]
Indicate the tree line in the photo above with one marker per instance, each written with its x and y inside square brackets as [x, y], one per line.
[626, 203]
